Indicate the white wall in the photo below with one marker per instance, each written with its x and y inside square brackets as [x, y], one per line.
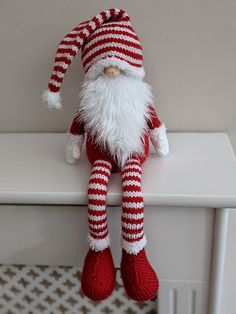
[189, 48]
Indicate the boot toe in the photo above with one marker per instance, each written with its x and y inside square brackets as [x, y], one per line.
[139, 278]
[98, 276]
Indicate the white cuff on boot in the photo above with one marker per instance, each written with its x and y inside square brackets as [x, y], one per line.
[97, 244]
[134, 247]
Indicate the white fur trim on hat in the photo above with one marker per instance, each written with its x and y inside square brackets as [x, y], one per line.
[134, 247]
[98, 245]
[52, 100]
[98, 68]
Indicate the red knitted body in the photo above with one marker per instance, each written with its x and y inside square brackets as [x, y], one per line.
[139, 278]
[98, 276]
[94, 152]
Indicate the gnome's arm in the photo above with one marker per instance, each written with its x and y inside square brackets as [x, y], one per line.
[75, 141]
[157, 133]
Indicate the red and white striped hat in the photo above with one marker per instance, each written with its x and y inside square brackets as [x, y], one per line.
[107, 39]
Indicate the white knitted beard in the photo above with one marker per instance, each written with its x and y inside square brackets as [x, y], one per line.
[114, 111]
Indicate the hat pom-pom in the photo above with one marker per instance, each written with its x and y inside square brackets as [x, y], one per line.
[52, 100]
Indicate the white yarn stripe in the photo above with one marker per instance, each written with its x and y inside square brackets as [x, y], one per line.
[111, 44]
[132, 160]
[123, 56]
[97, 186]
[131, 183]
[69, 39]
[99, 168]
[115, 28]
[58, 73]
[76, 32]
[55, 83]
[133, 216]
[97, 218]
[66, 55]
[61, 64]
[69, 46]
[131, 174]
[79, 40]
[108, 14]
[108, 36]
[135, 205]
[98, 234]
[86, 32]
[97, 197]
[132, 226]
[92, 24]
[99, 176]
[133, 236]
[117, 11]
[72, 39]
[132, 167]
[96, 207]
[132, 194]
[118, 23]
[100, 18]
[103, 162]
[93, 226]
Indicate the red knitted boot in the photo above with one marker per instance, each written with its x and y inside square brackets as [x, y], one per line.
[99, 274]
[139, 278]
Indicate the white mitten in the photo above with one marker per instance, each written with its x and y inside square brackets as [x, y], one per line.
[159, 140]
[73, 148]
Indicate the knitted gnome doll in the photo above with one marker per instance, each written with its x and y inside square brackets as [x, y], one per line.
[118, 117]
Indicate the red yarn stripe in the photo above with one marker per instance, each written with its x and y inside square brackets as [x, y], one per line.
[118, 49]
[133, 199]
[131, 188]
[131, 231]
[97, 223]
[132, 221]
[110, 40]
[110, 32]
[93, 212]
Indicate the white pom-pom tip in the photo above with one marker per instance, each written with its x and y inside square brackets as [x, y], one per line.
[52, 100]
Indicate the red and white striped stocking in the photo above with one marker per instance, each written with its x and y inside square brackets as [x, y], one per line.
[97, 216]
[133, 237]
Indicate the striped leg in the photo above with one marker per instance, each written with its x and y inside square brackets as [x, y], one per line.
[97, 217]
[133, 237]
[98, 275]
[139, 278]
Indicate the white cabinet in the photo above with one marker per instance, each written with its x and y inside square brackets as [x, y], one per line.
[43, 219]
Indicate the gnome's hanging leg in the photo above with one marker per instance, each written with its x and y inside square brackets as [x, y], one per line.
[139, 278]
[98, 276]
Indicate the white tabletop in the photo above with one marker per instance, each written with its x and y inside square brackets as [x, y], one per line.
[200, 171]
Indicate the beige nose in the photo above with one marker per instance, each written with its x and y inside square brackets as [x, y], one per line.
[112, 71]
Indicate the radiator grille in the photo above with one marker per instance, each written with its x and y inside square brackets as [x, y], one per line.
[52, 290]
